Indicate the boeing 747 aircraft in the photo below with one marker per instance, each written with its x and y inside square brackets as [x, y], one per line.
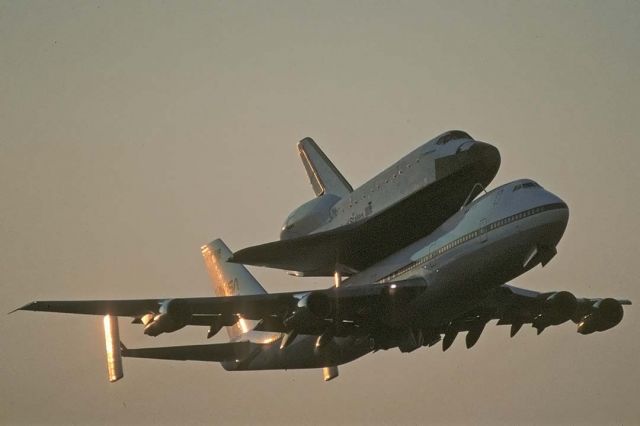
[453, 280]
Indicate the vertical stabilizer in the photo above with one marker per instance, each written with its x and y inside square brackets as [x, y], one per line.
[229, 279]
[323, 175]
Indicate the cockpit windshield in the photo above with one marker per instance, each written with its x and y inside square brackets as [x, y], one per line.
[525, 185]
[452, 135]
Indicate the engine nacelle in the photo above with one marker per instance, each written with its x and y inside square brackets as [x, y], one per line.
[605, 314]
[310, 313]
[559, 307]
[173, 316]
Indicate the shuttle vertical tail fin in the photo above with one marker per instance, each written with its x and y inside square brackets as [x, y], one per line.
[229, 279]
[323, 175]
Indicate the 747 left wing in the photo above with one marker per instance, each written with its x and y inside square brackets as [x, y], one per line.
[308, 311]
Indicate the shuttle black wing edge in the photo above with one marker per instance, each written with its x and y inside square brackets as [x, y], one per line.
[313, 255]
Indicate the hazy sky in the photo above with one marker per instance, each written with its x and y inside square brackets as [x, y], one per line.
[133, 132]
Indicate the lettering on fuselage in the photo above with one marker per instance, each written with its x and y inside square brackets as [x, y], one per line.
[355, 217]
[231, 287]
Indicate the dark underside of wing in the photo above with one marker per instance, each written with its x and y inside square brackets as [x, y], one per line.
[356, 246]
[213, 352]
[515, 307]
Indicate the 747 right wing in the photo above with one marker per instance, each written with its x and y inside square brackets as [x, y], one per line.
[517, 306]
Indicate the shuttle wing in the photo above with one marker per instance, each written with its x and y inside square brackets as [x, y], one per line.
[313, 255]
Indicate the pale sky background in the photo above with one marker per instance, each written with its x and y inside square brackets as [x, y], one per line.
[133, 132]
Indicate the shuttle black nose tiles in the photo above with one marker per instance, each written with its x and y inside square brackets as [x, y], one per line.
[480, 156]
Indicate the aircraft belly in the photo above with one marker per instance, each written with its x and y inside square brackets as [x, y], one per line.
[302, 354]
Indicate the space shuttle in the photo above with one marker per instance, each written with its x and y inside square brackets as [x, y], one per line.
[344, 230]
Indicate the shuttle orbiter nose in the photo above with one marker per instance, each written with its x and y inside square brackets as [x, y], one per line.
[487, 154]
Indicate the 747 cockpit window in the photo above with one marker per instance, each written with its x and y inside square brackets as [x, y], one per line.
[525, 185]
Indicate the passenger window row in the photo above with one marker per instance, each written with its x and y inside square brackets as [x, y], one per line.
[463, 239]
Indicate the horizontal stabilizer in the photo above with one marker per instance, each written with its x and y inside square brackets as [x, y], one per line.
[221, 352]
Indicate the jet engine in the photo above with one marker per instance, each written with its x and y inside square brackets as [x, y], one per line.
[171, 317]
[605, 314]
[559, 307]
